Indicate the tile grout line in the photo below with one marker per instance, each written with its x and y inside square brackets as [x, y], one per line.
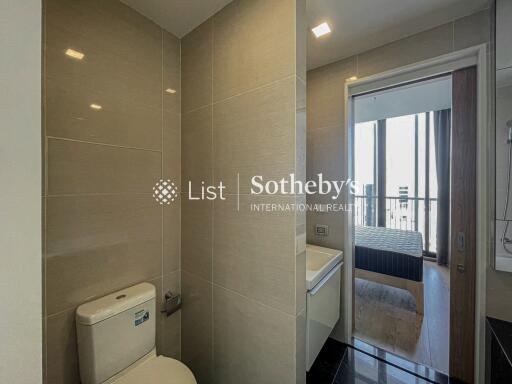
[295, 295]
[181, 202]
[259, 87]
[45, 202]
[291, 315]
[212, 357]
[339, 365]
[162, 163]
[94, 194]
[103, 144]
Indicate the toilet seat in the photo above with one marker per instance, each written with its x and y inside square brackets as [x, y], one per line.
[158, 370]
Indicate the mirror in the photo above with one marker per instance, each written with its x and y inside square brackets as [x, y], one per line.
[503, 206]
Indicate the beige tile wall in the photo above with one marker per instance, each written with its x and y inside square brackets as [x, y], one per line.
[243, 112]
[103, 230]
[325, 109]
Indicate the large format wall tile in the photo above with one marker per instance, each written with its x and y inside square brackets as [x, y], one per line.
[422, 46]
[197, 235]
[300, 282]
[334, 220]
[61, 349]
[125, 79]
[172, 147]
[76, 167]
[300, 347]
[171, 236]
[253, 343]
[254, 44]
[107, 25]
[472, 30]
[104, 230]
[254, 134]
[121, 121]
[196, 319]
[300, 131]
[325, 152]
[326, 93]
[254, 252]
[171, 72]
[169, 339]
[301, 31]
[98, 244]
[196, 161]
[196, 67]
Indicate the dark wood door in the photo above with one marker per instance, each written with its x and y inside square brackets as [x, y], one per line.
[463, 225]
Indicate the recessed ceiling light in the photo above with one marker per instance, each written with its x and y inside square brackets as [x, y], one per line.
[74, 54]
[96, 107]
[322, 29]
[353, 78]
[170, 90]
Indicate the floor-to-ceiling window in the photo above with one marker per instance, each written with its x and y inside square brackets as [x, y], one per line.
[402, 151]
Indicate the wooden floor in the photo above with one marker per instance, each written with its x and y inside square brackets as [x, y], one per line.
[386, 317]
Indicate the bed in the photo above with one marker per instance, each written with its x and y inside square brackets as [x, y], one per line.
[391, 256]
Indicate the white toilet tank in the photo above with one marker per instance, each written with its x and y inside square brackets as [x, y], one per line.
[115, 331]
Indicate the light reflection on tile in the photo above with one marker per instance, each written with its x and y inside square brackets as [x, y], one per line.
[338, 363]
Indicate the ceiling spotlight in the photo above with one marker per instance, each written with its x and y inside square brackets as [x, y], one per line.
[352, 78]
[74, 54]
[96, 107]
[170, 90]
[321, 30]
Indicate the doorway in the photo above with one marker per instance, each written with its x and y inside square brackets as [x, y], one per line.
[401, 144]
[414, 221]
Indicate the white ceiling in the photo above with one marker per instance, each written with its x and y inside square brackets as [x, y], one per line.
[360, 25]
[177, 16]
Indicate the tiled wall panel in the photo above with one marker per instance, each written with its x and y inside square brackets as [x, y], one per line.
[103, 229]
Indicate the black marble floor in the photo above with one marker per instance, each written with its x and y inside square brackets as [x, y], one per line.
[362, 363]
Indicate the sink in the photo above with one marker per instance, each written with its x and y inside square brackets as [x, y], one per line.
[319, 262]
[323, 282]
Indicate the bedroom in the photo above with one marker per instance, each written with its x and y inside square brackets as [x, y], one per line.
[401, 216]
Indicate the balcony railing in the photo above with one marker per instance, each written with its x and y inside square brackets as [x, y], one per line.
[406, 213]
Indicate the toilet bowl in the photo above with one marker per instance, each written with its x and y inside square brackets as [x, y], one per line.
[116, 341]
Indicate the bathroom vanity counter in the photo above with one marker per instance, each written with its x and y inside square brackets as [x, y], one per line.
[323, 282]
[319, 262]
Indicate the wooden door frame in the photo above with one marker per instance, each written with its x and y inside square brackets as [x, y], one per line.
[473, 56]
[463, 222]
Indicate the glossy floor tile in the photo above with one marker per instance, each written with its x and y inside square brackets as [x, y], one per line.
[327, 363]
[358, 367]
[415, 369]
[339, 363]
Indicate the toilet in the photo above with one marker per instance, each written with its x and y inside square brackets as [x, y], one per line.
[116, 341]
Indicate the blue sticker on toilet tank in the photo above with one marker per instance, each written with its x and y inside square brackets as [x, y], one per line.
[141, 316]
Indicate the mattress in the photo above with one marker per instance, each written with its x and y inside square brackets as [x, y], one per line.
[392, 252]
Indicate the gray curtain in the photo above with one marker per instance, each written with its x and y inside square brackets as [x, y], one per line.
[442, 133]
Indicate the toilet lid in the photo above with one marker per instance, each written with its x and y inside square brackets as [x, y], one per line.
[159, 370]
